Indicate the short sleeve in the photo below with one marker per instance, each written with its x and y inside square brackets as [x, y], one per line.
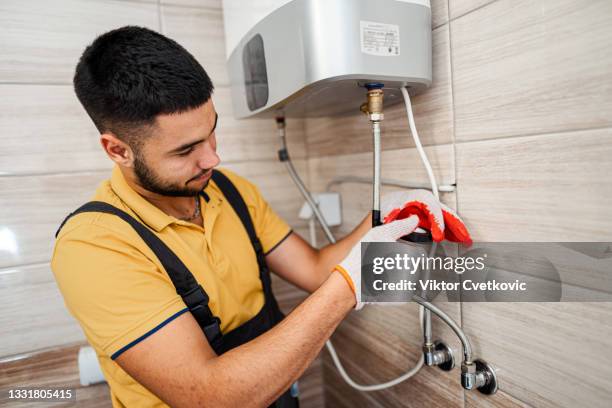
[118, 295]
[270, 228]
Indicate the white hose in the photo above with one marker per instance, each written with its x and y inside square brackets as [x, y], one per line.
[417, 142]
[382, 386]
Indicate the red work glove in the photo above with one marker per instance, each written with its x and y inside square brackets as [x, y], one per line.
[440, 220]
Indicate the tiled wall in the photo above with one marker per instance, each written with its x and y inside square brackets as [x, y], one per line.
[51, 162]
[520, 117]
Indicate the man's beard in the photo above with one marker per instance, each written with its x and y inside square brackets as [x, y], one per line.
[150, 181]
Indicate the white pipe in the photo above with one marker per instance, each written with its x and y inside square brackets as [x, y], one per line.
[312, 229]
[427, 332]
[443, 188]
[417, 142]
[376, 181]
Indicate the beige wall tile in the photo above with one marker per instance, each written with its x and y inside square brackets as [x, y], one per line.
[457, 8]
[209, 4]
[524, 67]
[31, 304]
[400, 164]
[439, 12]
[541, 188]
[540, 348]
[200, 31]
[432, 111]
[44, 129]
[33, 208]
[253, 139]
[41, 41]
[475, 399]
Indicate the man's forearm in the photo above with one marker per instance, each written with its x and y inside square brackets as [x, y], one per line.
[306, 267]
[257, 373]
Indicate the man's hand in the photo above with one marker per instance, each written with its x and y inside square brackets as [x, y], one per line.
[440, 220]
[350, 267]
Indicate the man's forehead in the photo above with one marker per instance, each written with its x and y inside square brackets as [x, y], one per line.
[186, 124]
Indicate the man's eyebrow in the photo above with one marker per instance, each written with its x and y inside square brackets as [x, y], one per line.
[190, 144]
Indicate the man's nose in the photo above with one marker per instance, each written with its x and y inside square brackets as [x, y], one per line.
[209, 158]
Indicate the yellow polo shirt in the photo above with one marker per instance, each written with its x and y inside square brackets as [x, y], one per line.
[117, 289]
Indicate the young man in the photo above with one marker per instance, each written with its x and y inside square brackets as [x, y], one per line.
[151, 102]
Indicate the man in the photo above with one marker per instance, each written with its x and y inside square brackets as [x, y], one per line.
[151, 102]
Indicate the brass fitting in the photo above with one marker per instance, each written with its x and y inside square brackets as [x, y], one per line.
[374, 105]
[375, 101]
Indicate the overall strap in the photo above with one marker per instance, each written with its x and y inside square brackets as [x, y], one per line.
[232, 195]
[186, 285]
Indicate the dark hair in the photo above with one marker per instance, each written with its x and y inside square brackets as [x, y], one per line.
[128, 76]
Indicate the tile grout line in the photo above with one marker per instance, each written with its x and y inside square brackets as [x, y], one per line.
[526, 135]
[454, 143]
[35, 83]
[469, 11]
[23, 265]
[55, 173]
[13, 358]
[109, 170]
[191, 7]
[180, 6]
[537, 134]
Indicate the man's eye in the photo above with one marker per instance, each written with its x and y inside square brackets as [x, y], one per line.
[186, 152]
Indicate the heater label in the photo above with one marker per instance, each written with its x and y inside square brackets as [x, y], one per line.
[380, 39]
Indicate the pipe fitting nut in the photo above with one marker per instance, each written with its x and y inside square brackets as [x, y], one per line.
[468, 368]
[428, 353]
[468, 375]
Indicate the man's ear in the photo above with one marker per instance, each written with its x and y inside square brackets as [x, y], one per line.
[118, 151]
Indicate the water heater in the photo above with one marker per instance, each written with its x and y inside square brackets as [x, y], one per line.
[313, 57]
